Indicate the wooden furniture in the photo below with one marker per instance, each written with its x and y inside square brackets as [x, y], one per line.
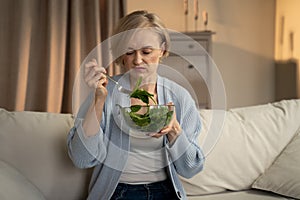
[188, 63]
[287, 80]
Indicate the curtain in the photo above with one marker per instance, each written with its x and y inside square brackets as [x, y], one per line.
[43, 43]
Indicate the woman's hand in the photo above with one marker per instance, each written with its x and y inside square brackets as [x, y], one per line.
[94, 76]
[172, 130]
[95, 79]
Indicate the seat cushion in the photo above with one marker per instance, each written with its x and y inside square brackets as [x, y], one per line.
[13, 185]
[240, 195]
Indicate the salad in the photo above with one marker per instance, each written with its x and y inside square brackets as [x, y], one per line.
[153, 118]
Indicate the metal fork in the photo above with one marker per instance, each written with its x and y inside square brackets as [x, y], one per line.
[120, 87]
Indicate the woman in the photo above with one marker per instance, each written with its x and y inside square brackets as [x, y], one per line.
[126, 167]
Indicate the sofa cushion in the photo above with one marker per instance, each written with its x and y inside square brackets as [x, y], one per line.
[13, 185]
[35, 144]
[251, 139]
[283, 177]
[240, 195]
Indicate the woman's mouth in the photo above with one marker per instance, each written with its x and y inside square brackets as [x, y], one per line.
[139, 68]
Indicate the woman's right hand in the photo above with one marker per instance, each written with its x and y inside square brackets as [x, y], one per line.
[95, 78]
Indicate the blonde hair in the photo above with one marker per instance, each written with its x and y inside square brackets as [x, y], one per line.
[138, 20]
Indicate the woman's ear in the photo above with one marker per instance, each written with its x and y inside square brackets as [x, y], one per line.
[163, 48]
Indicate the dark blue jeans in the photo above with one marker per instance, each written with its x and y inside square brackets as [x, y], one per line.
[162, 190]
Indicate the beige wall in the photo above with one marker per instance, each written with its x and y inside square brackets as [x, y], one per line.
[289, 9]
[243, 47]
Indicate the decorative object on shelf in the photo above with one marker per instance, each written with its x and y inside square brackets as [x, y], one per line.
[195, 16]
[205, 19]
[292, 44]
[186, 12]
[196, 11]
[281, 36]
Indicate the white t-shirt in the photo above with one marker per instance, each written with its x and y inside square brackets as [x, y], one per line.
[146, 161]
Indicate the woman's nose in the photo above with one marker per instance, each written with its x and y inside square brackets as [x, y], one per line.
[138, 58]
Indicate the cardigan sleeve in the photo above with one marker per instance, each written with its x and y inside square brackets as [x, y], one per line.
[84, 151]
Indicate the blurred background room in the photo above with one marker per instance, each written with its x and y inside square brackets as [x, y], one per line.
[43, 43]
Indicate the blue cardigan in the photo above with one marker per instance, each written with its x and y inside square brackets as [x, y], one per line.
[107, 150]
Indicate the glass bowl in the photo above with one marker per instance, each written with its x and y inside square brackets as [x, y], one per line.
[147, 119]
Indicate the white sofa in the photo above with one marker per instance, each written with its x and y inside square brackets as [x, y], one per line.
[256, 156]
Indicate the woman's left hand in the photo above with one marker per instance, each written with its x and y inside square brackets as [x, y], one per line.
[172, 130]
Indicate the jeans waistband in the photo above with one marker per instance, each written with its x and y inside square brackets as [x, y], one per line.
[154, 185]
